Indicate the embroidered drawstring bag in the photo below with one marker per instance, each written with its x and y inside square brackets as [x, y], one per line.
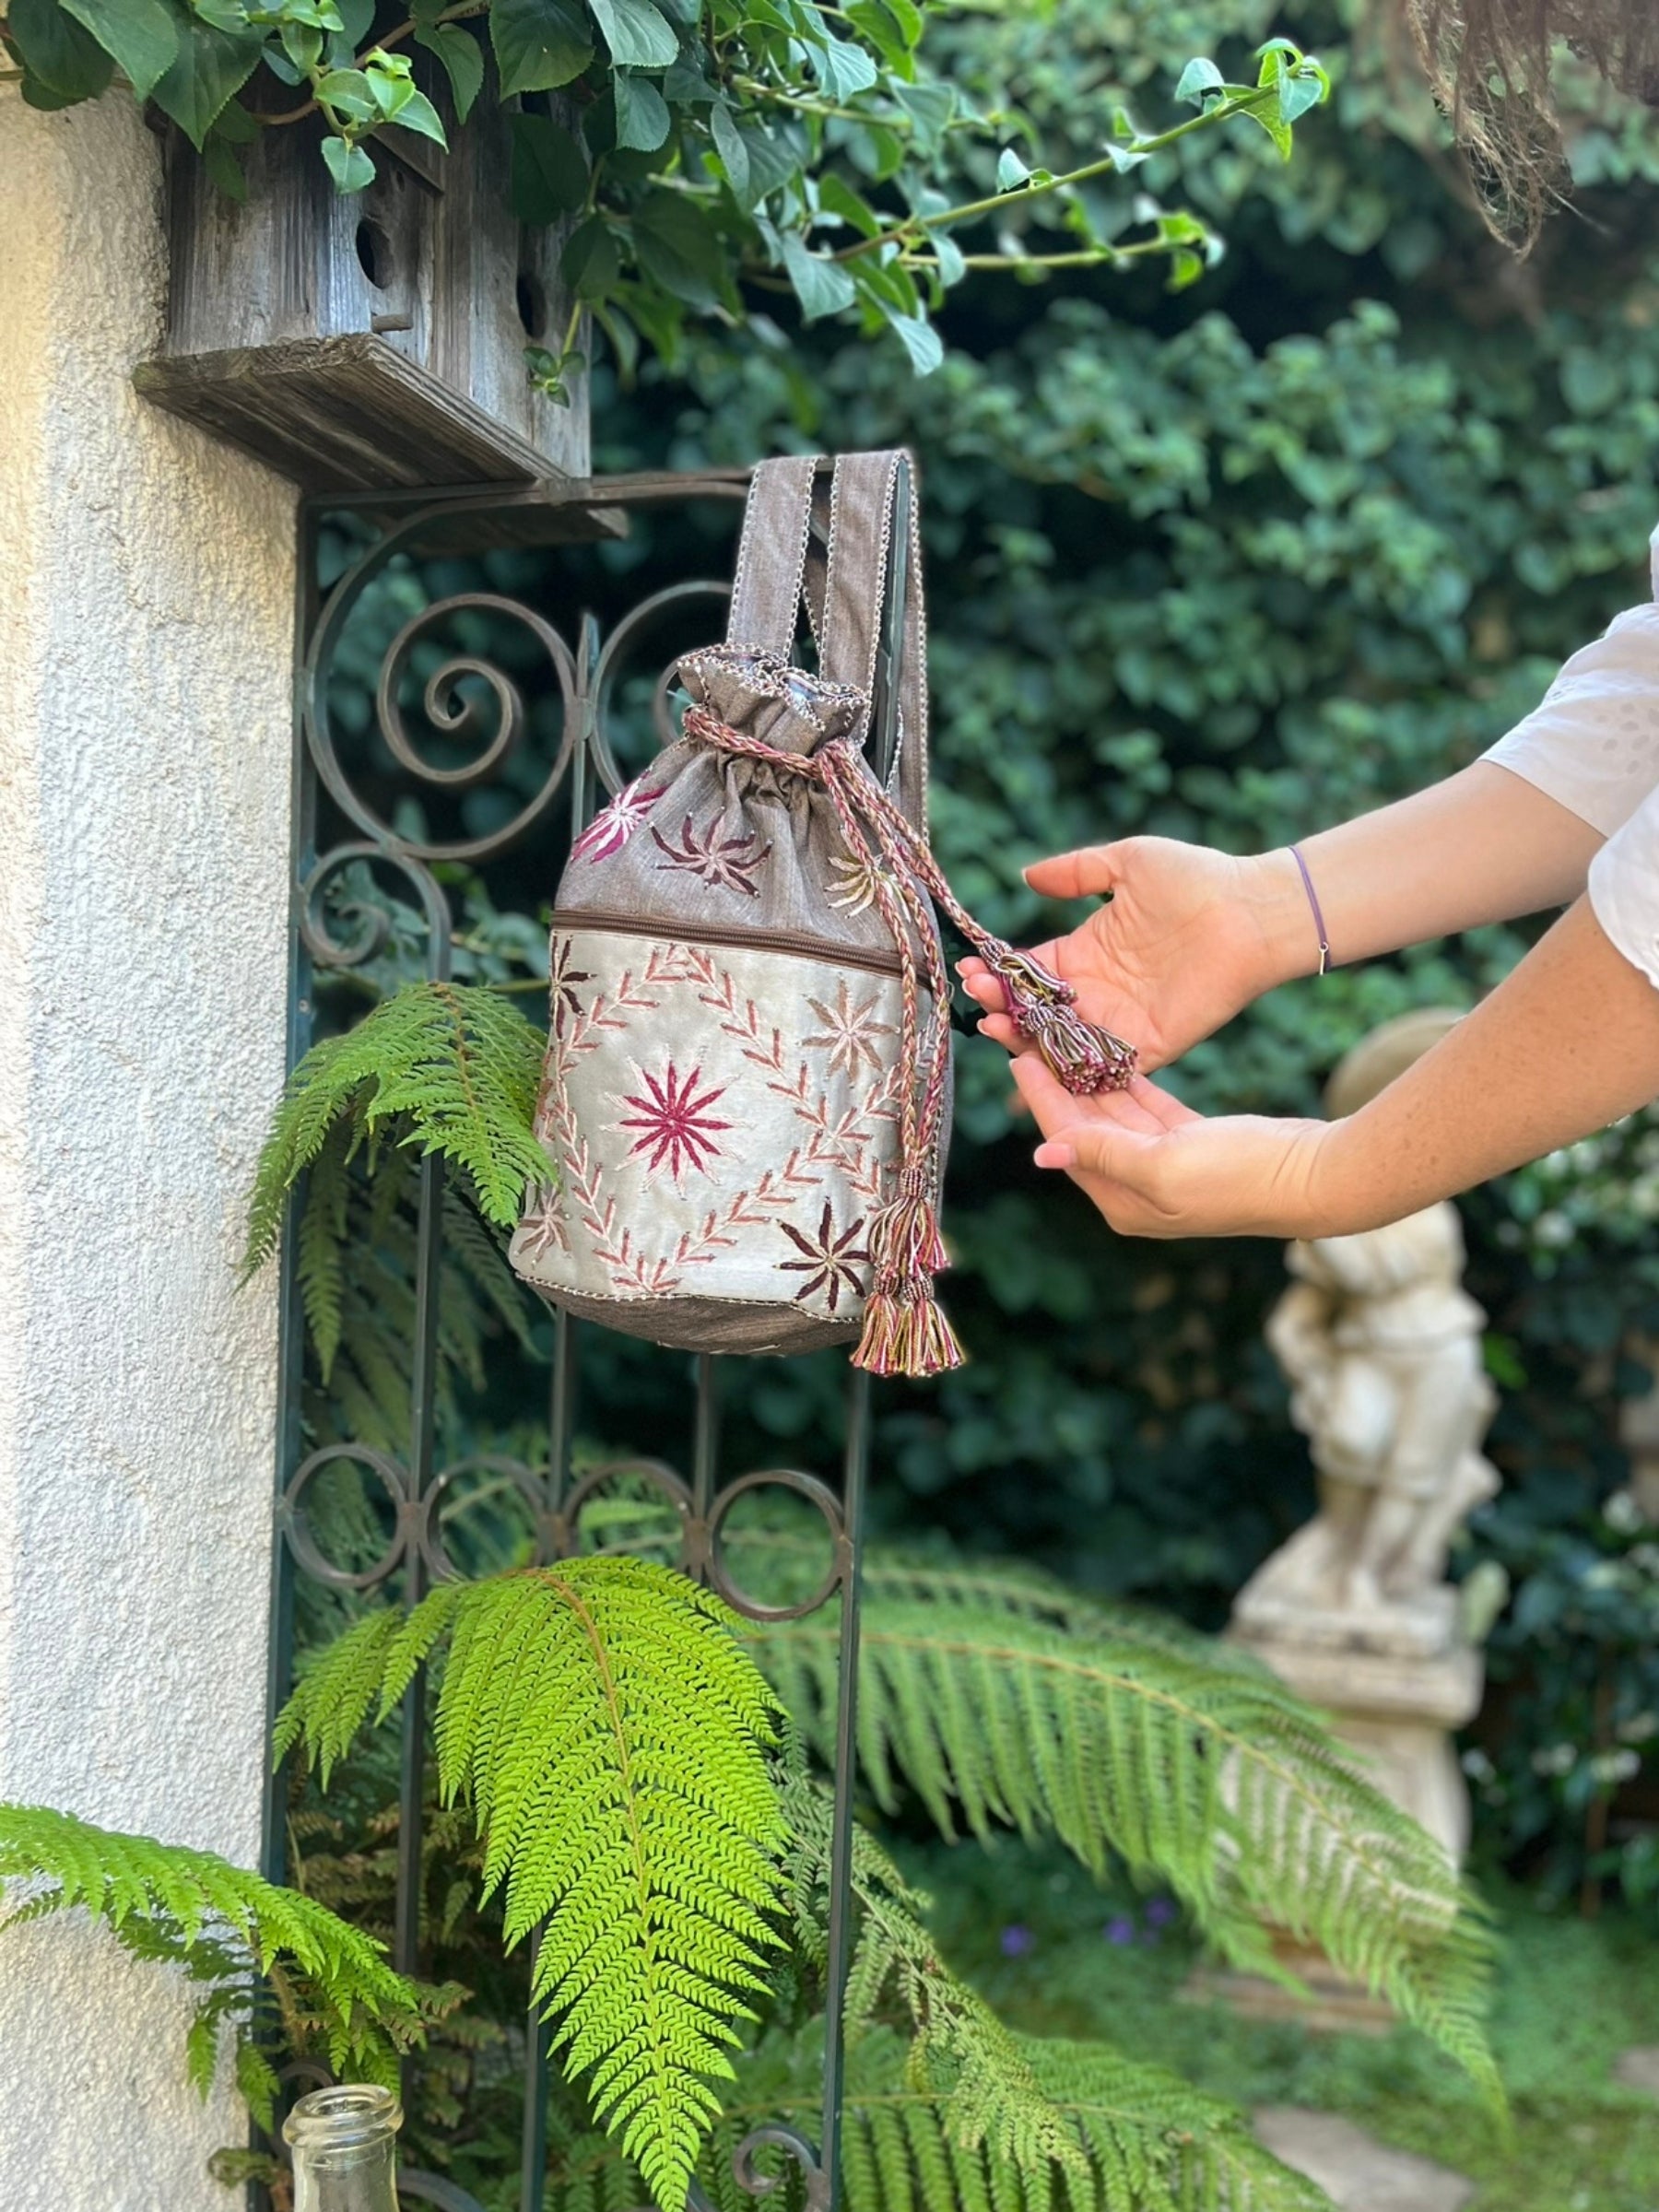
[746, 1095]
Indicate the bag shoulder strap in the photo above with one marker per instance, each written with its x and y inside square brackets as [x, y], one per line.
[873, 632]
[772, 573]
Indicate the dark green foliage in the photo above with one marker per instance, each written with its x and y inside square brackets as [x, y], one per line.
[767, 143]
[1231, 567]
[611, 1739]
[261, 1959]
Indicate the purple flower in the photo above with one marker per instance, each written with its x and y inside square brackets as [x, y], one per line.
[1016, 1941]
[1120, 1930]
[1161, 1912]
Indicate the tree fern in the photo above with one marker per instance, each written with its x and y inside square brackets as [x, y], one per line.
[448, 1068]
[1143, 2140]
[248, 1946]
[1003, 1700]
[613, 1741]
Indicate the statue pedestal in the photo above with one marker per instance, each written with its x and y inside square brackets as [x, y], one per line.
[1396, 1707]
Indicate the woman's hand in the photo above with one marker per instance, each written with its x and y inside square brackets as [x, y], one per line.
[1189, 937]
[1156, 1168]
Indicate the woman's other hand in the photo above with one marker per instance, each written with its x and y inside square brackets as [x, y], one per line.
[1188, 937]
[1156, 1168]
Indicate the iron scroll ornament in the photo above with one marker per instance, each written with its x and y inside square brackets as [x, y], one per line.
[473, 706]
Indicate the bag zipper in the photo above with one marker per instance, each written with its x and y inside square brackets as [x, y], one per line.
[737, 940]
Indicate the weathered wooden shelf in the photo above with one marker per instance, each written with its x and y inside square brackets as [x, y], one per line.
[342, 414]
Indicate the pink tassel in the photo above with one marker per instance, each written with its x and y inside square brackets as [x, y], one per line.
[906, 1333]
[1084, 1058]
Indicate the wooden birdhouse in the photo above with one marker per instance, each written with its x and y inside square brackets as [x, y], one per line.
[371, 341]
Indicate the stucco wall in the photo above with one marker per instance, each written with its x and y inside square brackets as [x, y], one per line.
[146, 627]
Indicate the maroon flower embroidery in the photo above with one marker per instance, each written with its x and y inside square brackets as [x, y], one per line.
[830, 1263]
[610, 831]
[726, 861]
[562, 980]
[850, 1031]
[676, 1127]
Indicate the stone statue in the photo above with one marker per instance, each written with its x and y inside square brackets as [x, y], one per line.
[1383, 1348]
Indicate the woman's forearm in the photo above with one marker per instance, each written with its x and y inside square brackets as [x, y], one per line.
[1484, 846]
[1566, 1043]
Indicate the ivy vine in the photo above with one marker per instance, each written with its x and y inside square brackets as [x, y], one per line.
[701, 152]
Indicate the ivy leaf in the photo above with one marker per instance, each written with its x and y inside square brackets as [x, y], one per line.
[677, 246]
[732, 149]
[348, 165]
[219, 158]
[877, 23]
[140, 34]
[1298, 93]
[953, 265]
[416, 113]
[349, 92]
[356, 20]
[639, 35]
[1185, 269]
[843, 70]
[210, 67]
[590, 263]
[931, 109]
[822, 287]
[773, 161]
[919, 338]
[836, 197]
[549, 176]
[539, 44]
[1199, 83]
[462, 60]
[642, 118]
[1280, 132]
[57, 51]
[908, 17]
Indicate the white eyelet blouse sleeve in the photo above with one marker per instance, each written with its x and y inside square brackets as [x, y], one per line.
[1624, 888]
[1593, 745]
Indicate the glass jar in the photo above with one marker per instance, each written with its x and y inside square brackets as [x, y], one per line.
[345, 2142]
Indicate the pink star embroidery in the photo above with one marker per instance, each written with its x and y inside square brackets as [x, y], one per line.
[676, 1127]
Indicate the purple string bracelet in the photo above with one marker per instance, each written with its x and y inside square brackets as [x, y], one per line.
[1319, 920]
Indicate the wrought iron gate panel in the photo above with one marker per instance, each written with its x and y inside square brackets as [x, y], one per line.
[583, 672]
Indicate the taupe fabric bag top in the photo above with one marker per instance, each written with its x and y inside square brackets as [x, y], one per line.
[746, 1089]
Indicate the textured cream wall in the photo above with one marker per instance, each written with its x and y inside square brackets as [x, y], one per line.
[146, 627]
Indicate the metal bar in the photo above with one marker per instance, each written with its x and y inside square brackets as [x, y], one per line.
[423, 1410]
[705, 1449]
[845, 1779]
[533, 2152]
[291, 1318]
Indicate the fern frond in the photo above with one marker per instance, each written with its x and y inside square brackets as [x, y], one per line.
[613, 1741]
[1140, 2139]
[453, 1067]
[1002, 1704]
[959, 2046]
[322, 1243]
[223, 1926]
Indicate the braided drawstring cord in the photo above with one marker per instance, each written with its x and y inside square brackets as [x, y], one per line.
[905, 1331]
